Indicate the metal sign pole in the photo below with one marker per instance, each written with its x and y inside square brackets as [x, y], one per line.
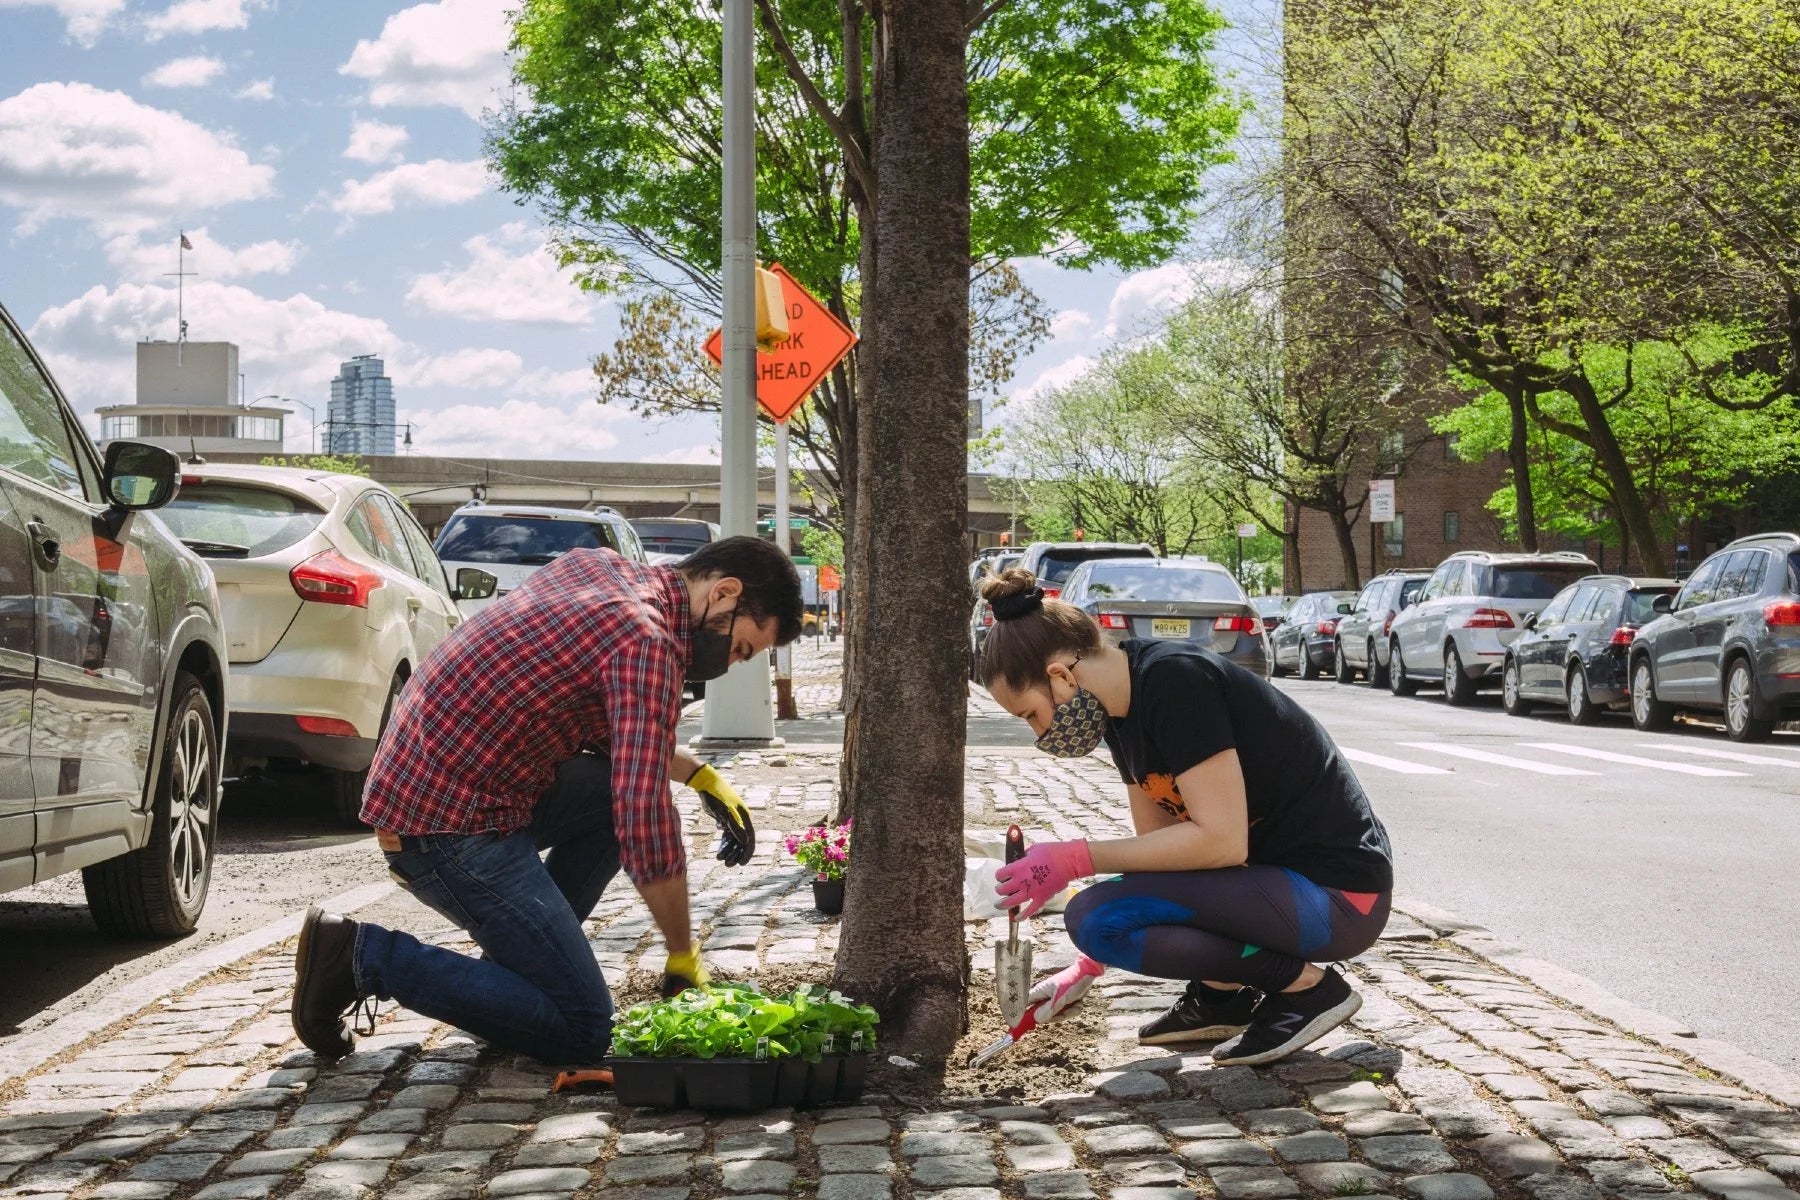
[738, 711]
[784, 657]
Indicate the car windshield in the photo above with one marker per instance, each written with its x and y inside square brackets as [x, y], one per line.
[1120, 582]
[1531, 581]
[1640, 607]
[230, 520]
[1056, 567]
[1268, 606]
[518, 540]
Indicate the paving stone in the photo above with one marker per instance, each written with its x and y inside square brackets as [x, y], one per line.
[1452, 1186]
[1515, 1087]
[755, 1176]
[221, 1140]
[1062, 1185]
[125, 1189]
[1278, 1122]
[253, 1187]
[955, 1170]
[370, 1062]
[960, 1193]
[747, 1146]
[1785, 1165]
[1314, 1146]
[426, 1095]
[1407, 1154]
[1220, 1152]
[1639, 1129]
[576, 1126]
[853, 1112]
[853, 1187]
[108, 1149]
[302, 1137]
[1610, 1103]
[1132, 1085]
[1152, 1193]
[855, 1160]
[1353, 1096]
[478, 1136]
[1253, 1183]
[1014, 1112]
[1146, 1172]
[662, 1141]
[1621, 1175]
[1034, 1159]
[1383, 1124]
[327, 1114]
[454, 1073]
[1030, 1133]
[1559, 1187]
[395, 1120]
[373, 1145]
[846, 1133]
[938, 1145]
[1199, 1128]
[491, 1111]
[1743, 1184]
[1584, 1139]
[270, 1162]
[949, 1121]
[434, 1187]
[1693, 1155]
[1536, 1112]
[1343, 1178]
[1238, 1089]
[451, 1162]
[1124, 1139]
[1512, 1156]
[648, 1168]
[558, 1154]
[537, 1179]
[175, 1168]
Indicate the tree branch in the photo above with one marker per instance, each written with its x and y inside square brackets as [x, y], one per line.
[856, 155]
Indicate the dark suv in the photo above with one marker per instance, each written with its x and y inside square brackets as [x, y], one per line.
[112, 688]
[1730, 642]
[1054, 562]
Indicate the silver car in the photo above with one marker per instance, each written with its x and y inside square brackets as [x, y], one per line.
[1362, 636]
[1184, 599]
[1472, 608]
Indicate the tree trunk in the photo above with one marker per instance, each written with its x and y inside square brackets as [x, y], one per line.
[1292, 582]
[1606, 448]
[1519, 454]
[902, 943]
[1346, 540]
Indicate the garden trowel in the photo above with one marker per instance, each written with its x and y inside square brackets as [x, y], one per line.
[1012, 957]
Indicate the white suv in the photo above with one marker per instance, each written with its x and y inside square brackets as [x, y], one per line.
[513, 540]
[1471, 609]
[330, 595]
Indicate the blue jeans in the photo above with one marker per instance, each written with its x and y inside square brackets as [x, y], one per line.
[537, 989]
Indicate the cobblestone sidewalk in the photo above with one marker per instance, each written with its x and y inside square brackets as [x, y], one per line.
[1457, 1081]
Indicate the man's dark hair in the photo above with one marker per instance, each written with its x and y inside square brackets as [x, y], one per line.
[771, 585]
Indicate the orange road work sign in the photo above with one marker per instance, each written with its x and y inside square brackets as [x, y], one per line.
[817, 341]
[829, 579]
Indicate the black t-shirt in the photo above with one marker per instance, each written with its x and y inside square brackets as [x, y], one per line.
[1307, 810]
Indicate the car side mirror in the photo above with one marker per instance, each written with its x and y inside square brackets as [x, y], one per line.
[1663, 603]
[139, 475]
[473, 583]
[1345, 609]
[1529, 622]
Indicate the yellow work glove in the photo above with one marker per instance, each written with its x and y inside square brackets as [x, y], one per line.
[737, 836]
[683, 971]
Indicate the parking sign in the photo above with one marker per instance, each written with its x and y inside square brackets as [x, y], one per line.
[1381, 501]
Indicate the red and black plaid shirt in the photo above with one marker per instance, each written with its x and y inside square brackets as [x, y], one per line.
[591, 650]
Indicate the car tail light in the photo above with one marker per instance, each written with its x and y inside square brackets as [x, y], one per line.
[1051, 593]
[1114, 621]
[1622, 636]
[1488, 618]
[330, 578]
[1328, 627]
[1782, 612]
[192, 480]
[1387, 626]
[1238, 624]
[328, 726]
[987, 618]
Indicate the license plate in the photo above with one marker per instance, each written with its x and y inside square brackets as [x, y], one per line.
[1171, 628]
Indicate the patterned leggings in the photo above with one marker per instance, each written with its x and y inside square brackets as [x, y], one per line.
[1253, 925]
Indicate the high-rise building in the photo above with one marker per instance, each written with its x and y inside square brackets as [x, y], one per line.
[360, 419]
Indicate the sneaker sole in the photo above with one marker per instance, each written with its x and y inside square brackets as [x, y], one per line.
[1309, 1033]
[1181, 1037]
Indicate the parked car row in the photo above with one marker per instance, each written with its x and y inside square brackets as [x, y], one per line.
[1550, 629]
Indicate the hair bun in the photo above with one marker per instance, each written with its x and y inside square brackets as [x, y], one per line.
[1013, 593]
[1010, 608]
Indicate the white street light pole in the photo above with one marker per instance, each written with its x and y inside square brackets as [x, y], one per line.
[738, 710]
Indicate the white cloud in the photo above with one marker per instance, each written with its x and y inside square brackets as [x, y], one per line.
[260, 89]
[138, 258]
[196, 70]
[84, 20]
[451, 52]
[699, 452]
[434, 183]
[576, 384]
[516, 429]
[1070, 324]
[375, 142]
[465, 368]
[72, 150]
[1147, 295]
[1056, 375]
[199, 16]
[510, 277]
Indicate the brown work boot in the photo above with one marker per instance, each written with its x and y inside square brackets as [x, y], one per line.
[325, 990]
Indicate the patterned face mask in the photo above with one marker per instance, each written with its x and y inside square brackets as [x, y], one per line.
[1075, 727]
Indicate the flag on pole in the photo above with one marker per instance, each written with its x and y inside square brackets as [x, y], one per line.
[185, 244]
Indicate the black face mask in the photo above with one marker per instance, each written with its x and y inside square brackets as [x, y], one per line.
[711, 649]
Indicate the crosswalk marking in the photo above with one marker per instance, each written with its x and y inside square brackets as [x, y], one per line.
[1634, 760]
[1499, 760]
[1727, 755]
[1393, 764]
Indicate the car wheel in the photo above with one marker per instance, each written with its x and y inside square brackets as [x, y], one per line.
[159, 889]
[1276, 670]
[1377, 675]
[1511, 699]
[1740, 704]
[1649, 714]
[1459, 689]
[1582, 709]
[1344, 672]
[1398, 683]
[344, 789]
[1308, 668]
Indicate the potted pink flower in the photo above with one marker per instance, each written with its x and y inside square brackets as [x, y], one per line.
[826, 853]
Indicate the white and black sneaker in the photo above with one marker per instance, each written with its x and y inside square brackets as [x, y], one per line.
[1287, 1021]
[1202, 1014]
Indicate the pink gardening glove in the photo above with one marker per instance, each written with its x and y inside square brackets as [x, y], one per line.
[1042, 874]
[1065, 988]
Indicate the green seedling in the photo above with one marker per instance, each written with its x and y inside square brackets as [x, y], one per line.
[1675, 1173]
[1350, 1185]
[1362, 1076]
[734, 1021]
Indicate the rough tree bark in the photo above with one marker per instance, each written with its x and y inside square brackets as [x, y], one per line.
[902, 941]
[1519, 455]
[1346, 540]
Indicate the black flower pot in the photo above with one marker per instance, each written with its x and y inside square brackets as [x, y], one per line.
[828, 896]
[822, 1080]
[850, 1078]
[648, 1082]
[790, 1082]
[730, 1084]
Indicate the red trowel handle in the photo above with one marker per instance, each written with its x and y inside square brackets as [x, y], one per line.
[1015, 843]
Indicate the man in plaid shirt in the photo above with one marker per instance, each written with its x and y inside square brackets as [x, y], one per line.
[547, 722]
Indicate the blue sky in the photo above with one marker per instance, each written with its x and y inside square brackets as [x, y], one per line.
[323, 156]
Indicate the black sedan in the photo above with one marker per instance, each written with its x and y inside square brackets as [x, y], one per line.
[1574, 653]
[1308, 636]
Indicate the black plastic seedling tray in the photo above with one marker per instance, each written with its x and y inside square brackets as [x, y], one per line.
[739, 1084]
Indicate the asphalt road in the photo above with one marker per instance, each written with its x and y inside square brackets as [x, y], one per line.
[1673, 889]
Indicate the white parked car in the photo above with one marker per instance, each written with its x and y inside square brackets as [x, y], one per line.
[513, 540]
[331, 596]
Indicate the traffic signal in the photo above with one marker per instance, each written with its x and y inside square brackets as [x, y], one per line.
[1080, 534]
[1005, 537]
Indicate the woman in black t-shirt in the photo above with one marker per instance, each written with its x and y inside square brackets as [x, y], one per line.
[1256, 853]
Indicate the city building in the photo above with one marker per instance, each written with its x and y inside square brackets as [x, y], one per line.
[190, 399]
[360, 418]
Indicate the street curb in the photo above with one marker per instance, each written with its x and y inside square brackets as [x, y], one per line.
[1721, 1058]
[140, 994]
